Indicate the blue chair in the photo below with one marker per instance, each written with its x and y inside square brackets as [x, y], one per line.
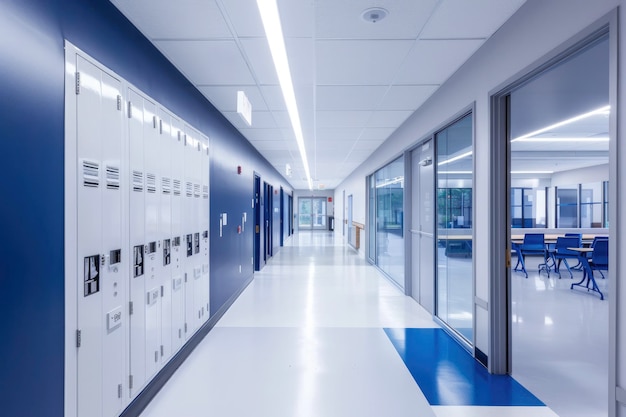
[593, 245]
[533, 245]
[600, 256]
[562, 254]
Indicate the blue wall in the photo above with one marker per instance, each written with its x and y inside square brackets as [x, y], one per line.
[31, 206]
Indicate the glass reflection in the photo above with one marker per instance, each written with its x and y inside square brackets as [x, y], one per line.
[454, 226]
[389, 202]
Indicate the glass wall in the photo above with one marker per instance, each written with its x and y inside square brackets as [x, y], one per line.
[455, 280]
[386, 245]
[528, 207]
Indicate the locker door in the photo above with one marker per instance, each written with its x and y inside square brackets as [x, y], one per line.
[200, 290]
[205, 224]
[188, 231]
[152, 300]
[178, 289]
[100, 297]
[137, 246]
[165, 231]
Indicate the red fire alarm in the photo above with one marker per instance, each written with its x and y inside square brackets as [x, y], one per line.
[330, 199]
[239, 229]
[239, 169]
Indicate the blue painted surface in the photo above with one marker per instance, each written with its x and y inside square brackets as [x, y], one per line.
[31, 210]
[448, 375]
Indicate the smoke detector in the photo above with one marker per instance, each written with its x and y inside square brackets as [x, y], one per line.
[374, 14]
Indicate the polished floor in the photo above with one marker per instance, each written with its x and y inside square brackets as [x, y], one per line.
[319, 332]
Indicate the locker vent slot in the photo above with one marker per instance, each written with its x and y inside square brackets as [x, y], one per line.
[196, 190]
[189, 189]
[137, 181]
[205, 191]
[91, 174]
[166, 185]
[113, 177]
[177, 187]
[150, 183]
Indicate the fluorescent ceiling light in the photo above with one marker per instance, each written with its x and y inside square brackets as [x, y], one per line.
[456, 158]
[556, 139]
[606, 110]
[274, 33]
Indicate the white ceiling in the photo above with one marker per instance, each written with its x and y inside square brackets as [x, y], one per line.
[356, 82]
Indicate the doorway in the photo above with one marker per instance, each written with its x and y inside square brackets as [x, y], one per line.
[312, 213]
[554, 129]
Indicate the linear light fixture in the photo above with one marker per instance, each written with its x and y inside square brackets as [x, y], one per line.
[456, 158]
[557, 140]
[276, 41]
[602, 110]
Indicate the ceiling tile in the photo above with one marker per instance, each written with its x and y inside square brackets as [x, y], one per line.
[273, 97]
[198, 61]
[194, 19]
[259, 56]
[407, 97]
[468, 19]
[388, 118]
[349, 97]
[225, 97]
[331, 119]
[342, 19]
[338, 135]
[377, 133]
[434, 61]
[263, 134]
[358, 62]
[244, 16]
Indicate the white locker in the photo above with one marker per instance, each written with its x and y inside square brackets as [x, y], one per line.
[165, 231]
[199, 286]
[152, 298]
[189, 229]
[204, 224]
[100, 259]
[137, 245]
[178, 247]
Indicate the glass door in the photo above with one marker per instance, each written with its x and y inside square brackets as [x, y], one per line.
[312, 213]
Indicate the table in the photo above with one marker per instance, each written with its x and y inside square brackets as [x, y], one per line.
[588, 272]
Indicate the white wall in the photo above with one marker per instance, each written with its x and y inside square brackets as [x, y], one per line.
[534, 31]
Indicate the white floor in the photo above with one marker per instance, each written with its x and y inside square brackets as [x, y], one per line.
[306, 339]
[560, 341]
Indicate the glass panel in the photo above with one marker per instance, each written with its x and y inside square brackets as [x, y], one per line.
[372, 218]
[454, 232]
[390, 220]
[319, 213]
[591, 205]
[567, 207]
[304, 217]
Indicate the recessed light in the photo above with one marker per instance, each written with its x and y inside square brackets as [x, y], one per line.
[374, 14]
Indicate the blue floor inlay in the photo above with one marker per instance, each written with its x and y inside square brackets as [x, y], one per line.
[448, 375]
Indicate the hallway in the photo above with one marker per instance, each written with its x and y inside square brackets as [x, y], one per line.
[307, 338]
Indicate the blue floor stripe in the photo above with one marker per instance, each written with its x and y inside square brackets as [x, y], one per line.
[448, 375]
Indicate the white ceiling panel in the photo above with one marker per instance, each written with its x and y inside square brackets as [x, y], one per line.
[326, 119]
[273, 97]
[341, 19]
[357, 62]
[225, 97]
[259, 56]
[181, 19]
[208, 62]
[434, 61]
[407, 97]
[467, 19]
[349, 97]
[355, 82]
[391, 119]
